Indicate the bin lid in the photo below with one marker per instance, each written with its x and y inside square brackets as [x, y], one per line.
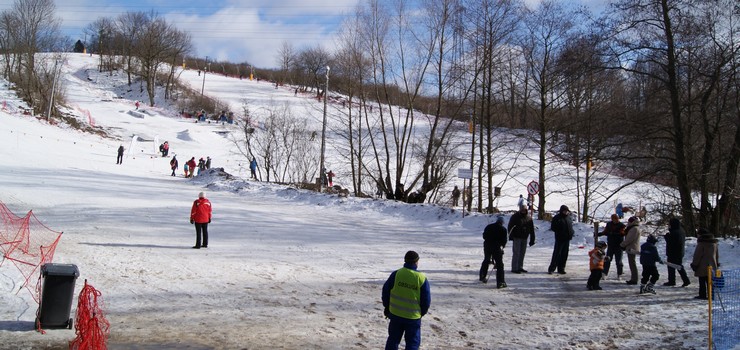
[60, 270]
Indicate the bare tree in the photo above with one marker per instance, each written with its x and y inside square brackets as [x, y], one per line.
[548, 29]
[286, 59]
[663, 43]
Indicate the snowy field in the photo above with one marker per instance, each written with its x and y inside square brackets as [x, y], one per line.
[285, 268]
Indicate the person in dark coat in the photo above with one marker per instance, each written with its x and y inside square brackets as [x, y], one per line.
[648, 259]
[455, 196]
[614, 232]
[173, 165]
[706, 254]
[494, 241]
[521, 229]
[562, 225]
[253, 168]
[119, 159]
[675, 241]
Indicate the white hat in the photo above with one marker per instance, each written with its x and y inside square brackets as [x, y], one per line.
[202, 195]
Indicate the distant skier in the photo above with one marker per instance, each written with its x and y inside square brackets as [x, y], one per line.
[330, 176]
[119, 159]
[191, 166]
[521, 201]
[200, 216]
[455, 196]
[201, 165]
[253, 167]
[208, 162]
[173, 165]
[165, 149]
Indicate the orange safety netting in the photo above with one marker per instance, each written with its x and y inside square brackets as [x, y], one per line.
[28, 244]
[91, 327]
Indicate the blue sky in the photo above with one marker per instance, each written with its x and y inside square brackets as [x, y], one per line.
[239, 31]
[249, 31]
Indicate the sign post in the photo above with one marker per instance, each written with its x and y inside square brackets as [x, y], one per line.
[532, 189]
[465, 174]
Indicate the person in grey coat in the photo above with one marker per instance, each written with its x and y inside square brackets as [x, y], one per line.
[521, 229]
[631, 245]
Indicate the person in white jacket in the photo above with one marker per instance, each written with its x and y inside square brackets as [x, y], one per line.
[631, 245]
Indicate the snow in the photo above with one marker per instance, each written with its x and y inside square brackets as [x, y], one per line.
[285, 268]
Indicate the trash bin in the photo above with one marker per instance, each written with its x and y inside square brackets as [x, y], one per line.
[56, 295]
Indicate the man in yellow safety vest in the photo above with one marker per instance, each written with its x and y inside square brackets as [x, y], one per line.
[406, 298]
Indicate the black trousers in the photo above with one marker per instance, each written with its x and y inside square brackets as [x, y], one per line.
[615, 254]
[497, 256]
[201, 230]
[703, 286]
[594, 278]
[119, 159]
[559, 256]
[649, 274]
[672, 271]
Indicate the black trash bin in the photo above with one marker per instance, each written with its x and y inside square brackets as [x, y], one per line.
[56, 295]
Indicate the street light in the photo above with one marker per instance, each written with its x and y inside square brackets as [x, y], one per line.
[323, 135]
[205, 68]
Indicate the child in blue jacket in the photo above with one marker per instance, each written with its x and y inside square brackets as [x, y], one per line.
[648, 259]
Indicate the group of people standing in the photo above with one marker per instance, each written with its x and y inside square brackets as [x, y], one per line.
[626, 239]
[190, 166]
[620, 239]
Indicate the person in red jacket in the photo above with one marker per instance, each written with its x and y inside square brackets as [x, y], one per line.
[191, 166]
[200, 215]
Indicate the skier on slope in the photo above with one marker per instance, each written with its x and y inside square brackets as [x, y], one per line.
[191, 166]
[173, 165]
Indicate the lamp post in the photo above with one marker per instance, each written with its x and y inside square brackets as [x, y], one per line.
[323, 135]
[205, 68]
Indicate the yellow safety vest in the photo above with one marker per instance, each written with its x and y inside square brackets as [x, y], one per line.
[406, 293]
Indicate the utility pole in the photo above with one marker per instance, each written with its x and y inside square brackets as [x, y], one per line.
[53, 87]
[205, 68]
[323, 134]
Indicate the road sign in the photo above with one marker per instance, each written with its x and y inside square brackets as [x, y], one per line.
[465, 173]
[533, 188]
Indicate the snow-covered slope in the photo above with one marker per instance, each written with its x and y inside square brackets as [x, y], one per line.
[285, 268]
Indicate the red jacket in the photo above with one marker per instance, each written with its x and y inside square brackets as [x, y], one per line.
[191, 163]
[201, 211]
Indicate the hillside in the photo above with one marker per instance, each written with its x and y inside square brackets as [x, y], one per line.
[286, 268]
